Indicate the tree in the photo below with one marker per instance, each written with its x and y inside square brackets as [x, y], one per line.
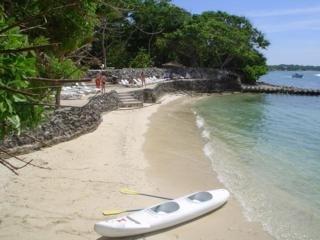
[40, 41]
[130, 25]
[142, 60]
[219, 40]
[16, 101]
[153, 20]
[35, 40]
[169, 33]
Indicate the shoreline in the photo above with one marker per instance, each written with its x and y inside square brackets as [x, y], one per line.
[179, 165]
[87, 173]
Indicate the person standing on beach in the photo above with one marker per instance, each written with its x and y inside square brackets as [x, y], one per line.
[103, 83]
[98, 81]
[143, 79]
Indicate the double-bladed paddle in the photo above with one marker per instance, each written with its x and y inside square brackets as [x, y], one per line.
[133, 192]
[117, 211]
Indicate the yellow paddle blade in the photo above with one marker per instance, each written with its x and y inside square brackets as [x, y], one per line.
[112, 212]
[128, 191]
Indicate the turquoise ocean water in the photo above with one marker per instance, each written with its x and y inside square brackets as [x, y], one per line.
[266, 150]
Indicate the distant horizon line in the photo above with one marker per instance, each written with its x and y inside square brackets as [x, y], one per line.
[291, 64]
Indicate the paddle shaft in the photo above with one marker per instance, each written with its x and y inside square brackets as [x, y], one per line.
[132, 192]
[154, 196]
[116, 212]
[133, 210]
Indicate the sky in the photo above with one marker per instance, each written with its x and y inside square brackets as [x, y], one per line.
[292, 26]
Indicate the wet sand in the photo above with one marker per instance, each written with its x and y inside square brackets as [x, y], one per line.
[177, 164]
[157, 152]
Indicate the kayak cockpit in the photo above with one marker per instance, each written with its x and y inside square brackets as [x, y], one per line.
[166, 208]
[163, 215]
[200, 197]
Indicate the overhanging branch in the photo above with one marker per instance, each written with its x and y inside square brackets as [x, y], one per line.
[29, 18]
[17, 91]
[58, 81]
[6, 51]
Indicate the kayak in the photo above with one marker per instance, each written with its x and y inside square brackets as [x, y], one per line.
[164, 215]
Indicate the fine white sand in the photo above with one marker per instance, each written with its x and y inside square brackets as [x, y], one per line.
[174, 149]
[87, 173]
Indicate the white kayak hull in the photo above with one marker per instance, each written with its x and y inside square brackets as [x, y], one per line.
[164, 215]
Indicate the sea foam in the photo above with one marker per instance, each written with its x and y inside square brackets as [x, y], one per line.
[200, 122]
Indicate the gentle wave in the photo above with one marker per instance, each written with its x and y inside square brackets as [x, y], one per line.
[205, 134]
[200, 122]
[262, 160]
[209, 152]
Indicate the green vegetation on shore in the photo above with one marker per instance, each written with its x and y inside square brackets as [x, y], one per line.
[292, 67]
[42, 42]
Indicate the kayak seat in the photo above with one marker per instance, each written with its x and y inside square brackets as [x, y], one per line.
[200, 197]
[165, 208]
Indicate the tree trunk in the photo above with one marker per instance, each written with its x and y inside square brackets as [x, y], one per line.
[226, 62]
[58, 96]
[104, 26]
[149, 46]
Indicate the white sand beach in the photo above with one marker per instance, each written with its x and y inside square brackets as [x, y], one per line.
[151, 150]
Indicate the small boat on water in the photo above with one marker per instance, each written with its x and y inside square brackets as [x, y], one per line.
[297, 75]
[164, 215]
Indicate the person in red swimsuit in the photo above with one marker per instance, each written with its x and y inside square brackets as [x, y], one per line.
[98, 81]
[103, 83]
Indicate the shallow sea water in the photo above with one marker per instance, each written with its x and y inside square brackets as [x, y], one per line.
[266, 150]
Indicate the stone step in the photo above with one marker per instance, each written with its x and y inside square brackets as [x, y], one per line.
[124, 94]
[128, 108]
[125, 98]
[129, 100]
[131, 104]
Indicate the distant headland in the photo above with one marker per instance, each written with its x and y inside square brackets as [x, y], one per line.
[292, 67]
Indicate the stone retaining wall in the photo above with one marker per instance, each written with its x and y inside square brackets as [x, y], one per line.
[168, 73]
[68, 123]
[221, 81]
[275, 89]
[64, 124]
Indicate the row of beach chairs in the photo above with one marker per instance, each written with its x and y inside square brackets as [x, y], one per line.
[136, 82]
[77, 91]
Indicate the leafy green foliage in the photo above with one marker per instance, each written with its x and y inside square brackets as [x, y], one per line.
[132, 25]
[292, 67]
[252, 73]
[142, 60]
[169, 33]
[69, 24]
[60, 68]
[219, 40]
[136, 33]
[15, 110]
